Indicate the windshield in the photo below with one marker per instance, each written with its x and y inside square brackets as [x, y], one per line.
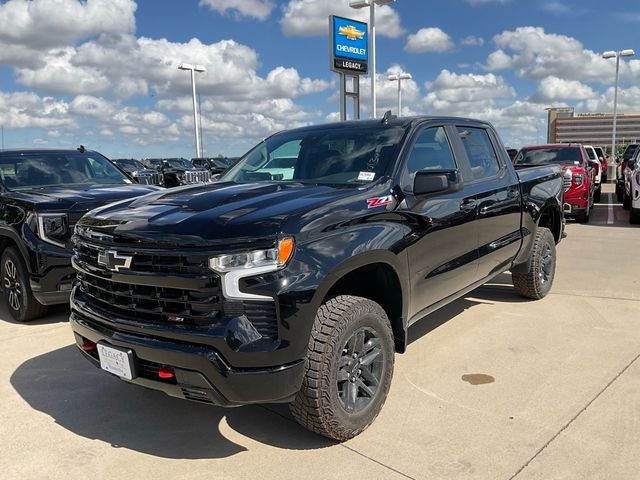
[181, 163]
[46, 169]
[628, 153]
[326, 156]
[129, 163]
[542, 156]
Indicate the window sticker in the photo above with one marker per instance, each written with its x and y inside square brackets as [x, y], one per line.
[366, 176]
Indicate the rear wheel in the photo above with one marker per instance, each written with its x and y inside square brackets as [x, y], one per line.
[21, 303]
[537, 281]
[349, 366]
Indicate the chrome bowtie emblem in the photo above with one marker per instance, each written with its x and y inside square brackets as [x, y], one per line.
[112, 261]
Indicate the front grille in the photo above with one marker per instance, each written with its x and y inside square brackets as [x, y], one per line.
[146, 263]
[203, 307]
[566, 182]
[152, 304]
[198, 177]
[144, 179]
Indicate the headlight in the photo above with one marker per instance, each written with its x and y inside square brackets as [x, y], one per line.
[235, 266]
[53, 228]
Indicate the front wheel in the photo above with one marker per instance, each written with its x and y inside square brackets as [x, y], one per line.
[21, 303]
[348, 371]
[537, 281]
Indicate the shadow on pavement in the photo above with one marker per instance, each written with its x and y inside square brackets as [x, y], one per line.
[56, 314]
[96, 405]
[500, 289]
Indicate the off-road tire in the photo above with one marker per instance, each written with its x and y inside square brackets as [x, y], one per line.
[626, 201]
[16, 289]
[318, 406]
[537, 282]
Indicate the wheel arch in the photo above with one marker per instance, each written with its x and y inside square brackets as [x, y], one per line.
[378, 276]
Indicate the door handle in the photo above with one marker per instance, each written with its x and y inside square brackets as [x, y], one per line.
[468, 205]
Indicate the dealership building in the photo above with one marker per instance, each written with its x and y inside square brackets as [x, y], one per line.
[565, 126]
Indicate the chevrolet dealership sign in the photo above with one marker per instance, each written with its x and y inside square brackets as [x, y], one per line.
[349, 45]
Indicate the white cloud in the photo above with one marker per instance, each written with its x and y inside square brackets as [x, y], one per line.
[48, 23]
[472, 41]
[628, 101]
[387, 94]
[310, 17]
[259, 9]
[553, 89]
[428, 40]
[534, 54]
[26, 109]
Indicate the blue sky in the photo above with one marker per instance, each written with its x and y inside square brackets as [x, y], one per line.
[104, 72]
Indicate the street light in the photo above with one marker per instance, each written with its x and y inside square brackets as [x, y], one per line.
[399, 78]
[616, 55]
[372, 42]
[193, 69]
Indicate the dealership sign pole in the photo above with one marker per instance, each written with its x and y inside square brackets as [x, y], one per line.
[349, 56]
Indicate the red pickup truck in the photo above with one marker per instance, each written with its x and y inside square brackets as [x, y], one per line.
[577, 175]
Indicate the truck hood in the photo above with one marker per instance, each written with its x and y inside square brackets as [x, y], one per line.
[217, 214]
[79, 198]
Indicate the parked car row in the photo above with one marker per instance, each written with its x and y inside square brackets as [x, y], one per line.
[295, 278]
[581, 174]
[631, 183]
[173, 172]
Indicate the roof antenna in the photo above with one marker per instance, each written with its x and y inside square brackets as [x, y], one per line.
[81, 149]
[387, 116]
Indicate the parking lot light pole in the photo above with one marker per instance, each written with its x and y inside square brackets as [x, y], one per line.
[372, 42]
[616, 55]
[399, 78]
[193, 69]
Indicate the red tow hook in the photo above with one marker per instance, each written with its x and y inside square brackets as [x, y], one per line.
[166, 373]
[88, 345]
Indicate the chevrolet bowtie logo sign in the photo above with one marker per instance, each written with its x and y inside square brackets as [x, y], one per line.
[112, 261]
[351, 32]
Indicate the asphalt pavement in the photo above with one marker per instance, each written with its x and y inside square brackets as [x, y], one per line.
[492, 387]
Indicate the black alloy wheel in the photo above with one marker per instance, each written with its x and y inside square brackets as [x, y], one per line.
[348, 368]
[360, 371]
[21, 303]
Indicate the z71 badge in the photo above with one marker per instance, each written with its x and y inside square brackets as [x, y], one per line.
[379, 201]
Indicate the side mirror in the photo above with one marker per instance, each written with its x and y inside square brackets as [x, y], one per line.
[436, 181]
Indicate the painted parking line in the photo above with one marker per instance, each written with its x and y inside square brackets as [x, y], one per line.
[610, 214]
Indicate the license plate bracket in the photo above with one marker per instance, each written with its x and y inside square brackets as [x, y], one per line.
[118, 361]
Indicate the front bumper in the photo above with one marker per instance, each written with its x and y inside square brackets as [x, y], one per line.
[53, 287]
[201, 374]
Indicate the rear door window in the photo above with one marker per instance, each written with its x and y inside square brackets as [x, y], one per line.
[482, 156]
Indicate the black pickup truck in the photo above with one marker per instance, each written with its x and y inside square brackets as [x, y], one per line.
[298, 284]
[42, 195]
